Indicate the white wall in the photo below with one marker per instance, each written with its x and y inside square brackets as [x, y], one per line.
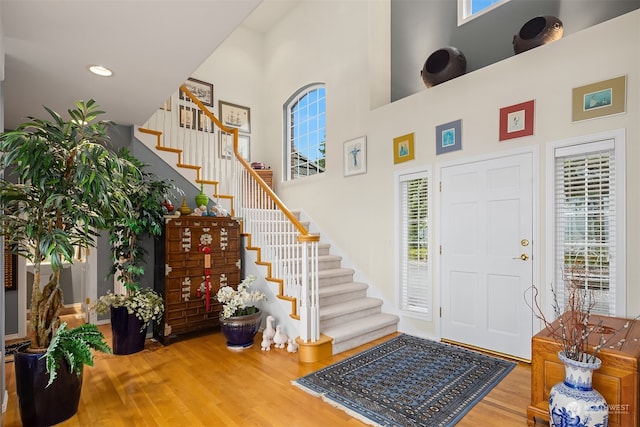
[332, 45]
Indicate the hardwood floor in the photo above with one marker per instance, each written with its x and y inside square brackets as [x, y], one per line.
[199, 382]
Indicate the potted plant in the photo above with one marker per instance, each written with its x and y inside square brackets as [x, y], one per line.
[57, 391]
[133, 311]
[240, 318]
[574, 401]
[61, 186]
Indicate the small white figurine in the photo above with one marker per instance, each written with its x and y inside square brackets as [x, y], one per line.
[269, 332]
[292, 347]
[280, 338]
[266, 343]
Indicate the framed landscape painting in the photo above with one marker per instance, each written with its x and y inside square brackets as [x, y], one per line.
[599, 99]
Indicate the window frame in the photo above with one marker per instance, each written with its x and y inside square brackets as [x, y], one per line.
[425, 312]
[589, 144]
[287, 175]
[464, 10]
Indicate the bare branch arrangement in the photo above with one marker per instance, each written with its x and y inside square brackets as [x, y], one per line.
[575, 328]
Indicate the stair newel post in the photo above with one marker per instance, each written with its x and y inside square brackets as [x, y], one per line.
[309, 309]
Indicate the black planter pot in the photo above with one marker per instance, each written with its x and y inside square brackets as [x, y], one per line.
[125, 330]
[41, 405]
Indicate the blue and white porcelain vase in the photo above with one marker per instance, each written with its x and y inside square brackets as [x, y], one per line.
[574, 402]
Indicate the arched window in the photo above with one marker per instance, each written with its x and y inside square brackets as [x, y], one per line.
[305, 134]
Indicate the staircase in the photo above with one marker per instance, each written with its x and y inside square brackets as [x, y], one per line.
[347, 315]
[334, 312]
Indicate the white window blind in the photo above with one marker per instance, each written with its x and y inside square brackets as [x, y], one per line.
[585, 219]
[415, 276]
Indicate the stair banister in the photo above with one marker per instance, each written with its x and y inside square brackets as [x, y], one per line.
[298, 265]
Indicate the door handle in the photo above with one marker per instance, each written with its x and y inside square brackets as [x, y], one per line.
[523, 257]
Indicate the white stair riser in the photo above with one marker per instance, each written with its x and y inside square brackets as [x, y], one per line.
[329, 264]
[346, 296]
[339, 347]
[344, 318]
[335, 279]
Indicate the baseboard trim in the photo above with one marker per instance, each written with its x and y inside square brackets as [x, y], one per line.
[486, 351]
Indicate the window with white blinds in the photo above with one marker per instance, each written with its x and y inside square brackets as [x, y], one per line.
[586, 197]
[415, 288]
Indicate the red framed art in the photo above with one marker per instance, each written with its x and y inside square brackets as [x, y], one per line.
[516, 120]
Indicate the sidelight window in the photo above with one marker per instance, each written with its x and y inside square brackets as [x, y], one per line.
[588, 233]
[414, 266]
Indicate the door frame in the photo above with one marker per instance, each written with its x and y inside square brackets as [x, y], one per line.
[534, 150]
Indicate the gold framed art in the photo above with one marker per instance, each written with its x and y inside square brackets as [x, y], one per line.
[403, 148]
[599, 99]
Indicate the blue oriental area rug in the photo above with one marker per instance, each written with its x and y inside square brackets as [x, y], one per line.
[408, 381]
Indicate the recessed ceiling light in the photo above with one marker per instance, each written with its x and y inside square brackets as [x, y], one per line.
[100, 70]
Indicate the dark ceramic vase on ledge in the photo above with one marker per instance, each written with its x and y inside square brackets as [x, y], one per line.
[442, 65]
[536, 32]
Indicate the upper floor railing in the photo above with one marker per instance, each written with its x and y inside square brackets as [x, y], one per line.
[204, 144]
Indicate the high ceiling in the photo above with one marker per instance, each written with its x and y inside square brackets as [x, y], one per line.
[152, 46]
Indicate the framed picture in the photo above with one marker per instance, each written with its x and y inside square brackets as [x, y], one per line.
[355, 156]
[403, 148]
[244, 146]
[516, 120]
[205, 124]
[187, 117]
[449, 137]
[599, 99]
[167, 105]
[235, 116]
[202, 90]
[225, 145]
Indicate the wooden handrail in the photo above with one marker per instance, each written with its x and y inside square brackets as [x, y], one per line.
[298, 225]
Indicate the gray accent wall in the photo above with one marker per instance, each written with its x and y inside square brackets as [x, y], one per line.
[419, 28]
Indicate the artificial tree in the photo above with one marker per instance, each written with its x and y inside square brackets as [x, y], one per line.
[62, 185]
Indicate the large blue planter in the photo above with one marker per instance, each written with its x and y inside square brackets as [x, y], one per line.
[41, 405]
[240, 330]
[125, 331]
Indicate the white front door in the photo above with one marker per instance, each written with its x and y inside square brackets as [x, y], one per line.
[486, 253]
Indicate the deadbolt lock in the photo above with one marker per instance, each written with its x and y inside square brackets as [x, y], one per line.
[524, 242]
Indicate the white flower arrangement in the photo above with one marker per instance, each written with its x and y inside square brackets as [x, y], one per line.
[145, 303]
[239, 302]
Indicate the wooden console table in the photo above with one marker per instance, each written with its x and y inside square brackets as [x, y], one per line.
[617, 379]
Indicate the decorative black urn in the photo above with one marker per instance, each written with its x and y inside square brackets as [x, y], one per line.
[536, 32]
[444, 64]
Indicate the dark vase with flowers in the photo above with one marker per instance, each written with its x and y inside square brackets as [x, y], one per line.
[240, 330]
[128, 332]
